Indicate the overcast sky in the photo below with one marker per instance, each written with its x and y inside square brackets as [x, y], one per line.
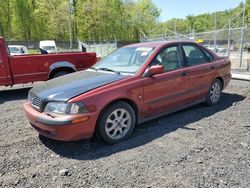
[182, 8]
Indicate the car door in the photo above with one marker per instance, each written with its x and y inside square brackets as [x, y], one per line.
[200, 71]
[165, 91]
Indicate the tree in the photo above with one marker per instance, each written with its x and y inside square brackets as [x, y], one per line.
[23, 19]
[5, 18]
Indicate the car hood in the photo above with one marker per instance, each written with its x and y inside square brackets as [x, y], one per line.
[69, 86]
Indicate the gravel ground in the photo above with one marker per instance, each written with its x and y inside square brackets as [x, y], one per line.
[197, 147]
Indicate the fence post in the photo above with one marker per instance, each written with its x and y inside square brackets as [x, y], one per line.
[229, 39]
[242, 35]
[101, 48]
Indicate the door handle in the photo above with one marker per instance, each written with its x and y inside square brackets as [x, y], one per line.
[212, 67]
[184, 73]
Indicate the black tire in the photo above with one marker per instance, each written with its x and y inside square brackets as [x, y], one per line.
[214, 93]
[60, 73]
[116, 123]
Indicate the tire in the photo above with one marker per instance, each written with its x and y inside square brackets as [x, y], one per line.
[60, 73]
[214, 93]
[116, 123]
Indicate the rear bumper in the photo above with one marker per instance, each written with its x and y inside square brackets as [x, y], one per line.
[62, 128]
[227, 79]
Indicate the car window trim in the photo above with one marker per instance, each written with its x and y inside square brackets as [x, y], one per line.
[206, 51]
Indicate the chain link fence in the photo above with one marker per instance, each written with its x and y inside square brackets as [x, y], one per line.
[233, 43]
[223, 42]
[34, 45]
[102, 49]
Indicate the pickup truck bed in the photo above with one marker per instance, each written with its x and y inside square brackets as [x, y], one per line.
[41, 67]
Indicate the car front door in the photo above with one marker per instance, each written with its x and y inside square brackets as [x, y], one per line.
[200, 71]
[165, 91]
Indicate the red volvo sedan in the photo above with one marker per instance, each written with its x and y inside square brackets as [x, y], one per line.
[132, 85]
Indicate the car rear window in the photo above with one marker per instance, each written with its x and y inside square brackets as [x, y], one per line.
[194, 55]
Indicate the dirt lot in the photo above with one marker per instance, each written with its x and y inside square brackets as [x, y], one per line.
[197, 147]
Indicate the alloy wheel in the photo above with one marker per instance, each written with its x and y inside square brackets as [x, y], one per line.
[215, 92]
[118, 124]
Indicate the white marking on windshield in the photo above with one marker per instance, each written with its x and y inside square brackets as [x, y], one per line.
[144, 49]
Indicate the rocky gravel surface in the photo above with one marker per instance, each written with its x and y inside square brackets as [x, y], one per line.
[197, 147]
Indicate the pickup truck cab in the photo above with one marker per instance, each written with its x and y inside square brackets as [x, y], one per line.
[30, 68]
[48, 45]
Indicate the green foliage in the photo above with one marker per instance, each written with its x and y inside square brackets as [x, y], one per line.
[5, 18]
[93, 19]
[100, 20]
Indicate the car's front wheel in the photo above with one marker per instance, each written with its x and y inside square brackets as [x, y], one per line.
[214, 93]
[116, 123]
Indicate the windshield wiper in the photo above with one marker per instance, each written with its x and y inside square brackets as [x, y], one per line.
[107, 69]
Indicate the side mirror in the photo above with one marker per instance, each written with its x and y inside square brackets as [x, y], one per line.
[154, 70]
[43, 51]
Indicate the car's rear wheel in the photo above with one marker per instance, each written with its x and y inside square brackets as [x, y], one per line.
[116, 123]
[214, 93]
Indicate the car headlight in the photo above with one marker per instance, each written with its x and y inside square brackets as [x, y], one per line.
[65, 108]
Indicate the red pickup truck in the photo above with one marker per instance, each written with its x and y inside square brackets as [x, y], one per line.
[31, 68]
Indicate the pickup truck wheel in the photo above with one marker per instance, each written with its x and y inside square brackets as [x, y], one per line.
[214, 94]
[116, 123]
[60, 73]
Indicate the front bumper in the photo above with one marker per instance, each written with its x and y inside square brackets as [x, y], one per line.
[64, 128]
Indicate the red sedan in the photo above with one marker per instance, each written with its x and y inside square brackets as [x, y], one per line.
[134, 84]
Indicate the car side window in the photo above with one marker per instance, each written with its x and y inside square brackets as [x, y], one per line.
[194, 55]
[169, 58]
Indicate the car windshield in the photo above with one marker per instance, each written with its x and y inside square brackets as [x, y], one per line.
[49, 48]
[125, 60]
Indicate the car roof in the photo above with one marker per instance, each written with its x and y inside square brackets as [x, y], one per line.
[17, 46]
[158, 43]
[47, 42]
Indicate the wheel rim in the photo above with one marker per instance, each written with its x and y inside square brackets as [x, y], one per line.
[215, 92]
[118, 124]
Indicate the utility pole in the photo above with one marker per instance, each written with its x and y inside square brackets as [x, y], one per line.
[242, 35]
[70, 23]
[215, 31]
[175, 29]
[76, 24]
[190, 32]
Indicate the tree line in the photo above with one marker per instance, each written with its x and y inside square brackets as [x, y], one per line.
[91, 19]
[99, 20]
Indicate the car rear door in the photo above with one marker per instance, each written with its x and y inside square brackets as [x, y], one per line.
[200, 71]
[165, 91]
